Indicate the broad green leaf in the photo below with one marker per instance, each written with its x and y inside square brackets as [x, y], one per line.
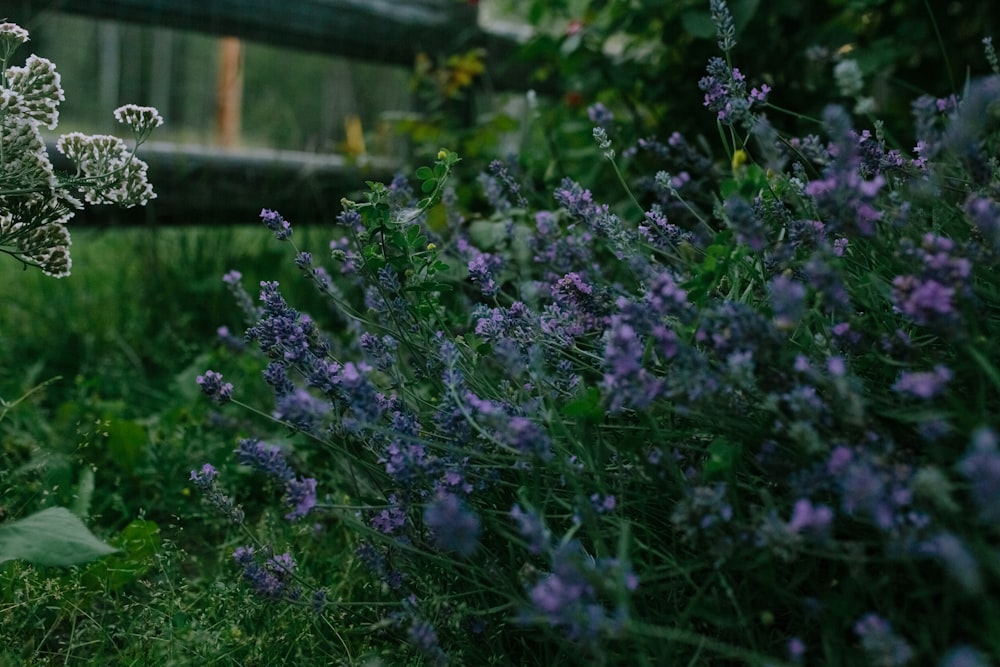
[425, 173]
[54, 536]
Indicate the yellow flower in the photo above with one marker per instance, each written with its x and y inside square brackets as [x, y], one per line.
[739, 159]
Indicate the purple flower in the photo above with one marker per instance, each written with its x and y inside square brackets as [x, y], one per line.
[981, 466]
[282, 332]
[303, 260]
[382, 351]
[454, 527]
[273, 221]
[883, 646]
[750, 228]
[276, 375]
[955, 557]
[863, 492]
[985, 215]
[600, 115]
[300, 493]
[923, 385]
[526, 436]
[658, 231]
[212, 385]
[532, 529]
[391, 518]
[204, 480]
[205, 477]
[265, 458]
[926, 302]
[481, 271]
[570, 596]
[787, 301]
[796, 649]
[726, 94]
[602, 504]
[843, 197]
[268, 577]
[501, 187]
[626, 382]
[300, 409]
[423, 637]
[300, 496]
[807, 517]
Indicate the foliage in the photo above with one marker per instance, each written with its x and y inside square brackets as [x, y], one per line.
[743, 418]
[646, 56]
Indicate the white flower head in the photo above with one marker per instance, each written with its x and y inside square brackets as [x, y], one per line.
[848, 77]
[41, 87]
[11, 102]
[11, 37]
[142, 120]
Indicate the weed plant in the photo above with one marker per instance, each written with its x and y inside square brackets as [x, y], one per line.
[749, 419]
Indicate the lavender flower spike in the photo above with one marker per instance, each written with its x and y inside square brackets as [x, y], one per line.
[212, 385]
[277, 224]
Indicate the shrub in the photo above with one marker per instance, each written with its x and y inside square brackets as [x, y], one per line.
[747, 418]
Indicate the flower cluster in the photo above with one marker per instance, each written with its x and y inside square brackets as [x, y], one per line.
[35, 201]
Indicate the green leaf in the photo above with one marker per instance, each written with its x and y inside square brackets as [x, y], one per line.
[586, 407]
[54, 536]
[722, 458]
[397, 240]
[428, 185]
[425, 173]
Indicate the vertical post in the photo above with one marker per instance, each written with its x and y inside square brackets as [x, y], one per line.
[229, 92]
[110, 59]
[161, 76]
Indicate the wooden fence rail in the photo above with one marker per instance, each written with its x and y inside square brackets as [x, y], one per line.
[198, 185]
[383, 31]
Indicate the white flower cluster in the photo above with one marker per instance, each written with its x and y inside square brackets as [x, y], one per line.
[35, 203]
[107, 171]
[142, 120]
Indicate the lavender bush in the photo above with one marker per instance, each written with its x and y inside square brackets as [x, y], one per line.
[750, 419]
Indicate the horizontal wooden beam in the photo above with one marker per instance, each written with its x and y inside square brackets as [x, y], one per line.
[198, 185]
[383, 31]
